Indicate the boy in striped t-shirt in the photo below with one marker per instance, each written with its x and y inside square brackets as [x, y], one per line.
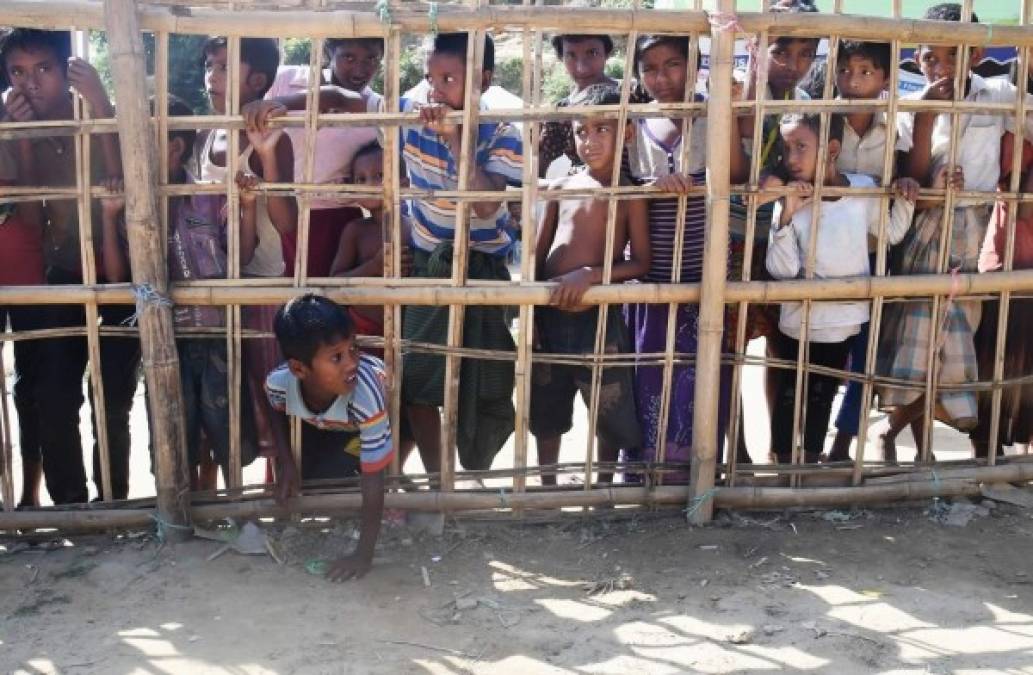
[337, 392]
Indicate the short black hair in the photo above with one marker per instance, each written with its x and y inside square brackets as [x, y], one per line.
[793, 7]
[306, 323]
[879, 53]
[813, 122]
[370, 148]
[262, 55]
[31, 39]
[558, 40]
[455, 44]
[179, 108]
[814, 81]
[330, 45]
[946, 11]
[644, 43]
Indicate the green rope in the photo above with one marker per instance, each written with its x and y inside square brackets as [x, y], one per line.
[700, 501]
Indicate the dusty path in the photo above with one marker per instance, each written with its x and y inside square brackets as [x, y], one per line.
[885, 590]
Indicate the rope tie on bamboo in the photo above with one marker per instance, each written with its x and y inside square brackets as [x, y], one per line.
[699, 501]
[937, 483]
[383, 8]
[432, 15]
[146, 294]
[503, 502]
[163, 526]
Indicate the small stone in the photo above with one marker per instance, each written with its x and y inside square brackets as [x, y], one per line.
[771, 629]
[742, 637]
[463, 604]
[704, 583]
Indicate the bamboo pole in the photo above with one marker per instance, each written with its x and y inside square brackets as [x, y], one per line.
[147, 258]
[7, 448]
[340, 23]
[393, 241]
[461, 249]
[921, 485]
[715, 258]
[234, 472]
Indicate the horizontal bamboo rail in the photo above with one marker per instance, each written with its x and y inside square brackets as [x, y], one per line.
[920, 485]
[345, 23]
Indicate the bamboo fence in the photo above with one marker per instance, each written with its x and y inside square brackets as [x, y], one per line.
[713, 483]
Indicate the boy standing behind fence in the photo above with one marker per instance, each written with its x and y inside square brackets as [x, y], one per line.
[840, 251]
[42, 73]
[197, 249]
[906, 335]
[571, 250]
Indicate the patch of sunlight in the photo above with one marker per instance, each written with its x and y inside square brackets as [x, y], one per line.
[1002, 615]
[574, 609]
[544, 579]
[695, 627]
[801, 559]
[518, 663]
[968, 640]
[172, 625]
[435, 667]
[628, 663]
[878, 616]
[39, 666]
[643, 634]
[621, 598]
[837, 595]
[791, 657]
[138, 633]
[150, 646]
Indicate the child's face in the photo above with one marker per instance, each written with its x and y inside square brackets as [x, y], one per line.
[800, 148]
[216, 76]
[446, 75]
[368, 170]
[596, 142]
[40, 76]
[939, 61]
[355, 64]
[334, 369]
[585, 61]
[662, 71]
[859, 77]
[788, 62]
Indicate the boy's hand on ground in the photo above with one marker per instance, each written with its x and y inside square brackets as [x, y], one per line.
[433, 116]
[906, 188]
[287, 482]
[84, 79]
[678, 183]
[940, 90]
[354, 566]
[112, 203]
[572, 287]
[18, 107]
[258, 113]
[247, 182]
[949, 176]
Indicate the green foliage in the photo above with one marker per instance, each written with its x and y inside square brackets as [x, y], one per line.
[297, 51]
[186, 73]
[509, 74]
[557, 83]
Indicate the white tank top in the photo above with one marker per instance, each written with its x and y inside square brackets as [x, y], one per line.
[268, 258]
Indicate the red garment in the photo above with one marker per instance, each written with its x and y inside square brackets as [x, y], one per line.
[367, 326]
[991, 256]
[21, 250]
[324, 235]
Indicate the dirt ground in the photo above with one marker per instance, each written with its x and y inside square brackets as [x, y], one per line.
[837, 592]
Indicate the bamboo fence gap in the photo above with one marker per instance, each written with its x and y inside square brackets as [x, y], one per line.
[743, 486]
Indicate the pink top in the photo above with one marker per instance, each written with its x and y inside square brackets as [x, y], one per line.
[335, 146]
[991, 256]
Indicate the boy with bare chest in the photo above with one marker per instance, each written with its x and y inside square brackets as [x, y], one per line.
[571, 250]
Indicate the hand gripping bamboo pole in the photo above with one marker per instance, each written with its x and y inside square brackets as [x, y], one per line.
[149, 270]
[715, 259]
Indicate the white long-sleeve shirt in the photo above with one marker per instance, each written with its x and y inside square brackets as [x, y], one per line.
[842, 251]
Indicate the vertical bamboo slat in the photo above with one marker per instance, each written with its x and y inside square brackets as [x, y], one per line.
[234, 472]
[461, 252]
[392, 237]
[147, 258]
[7, 450]
[711, 306]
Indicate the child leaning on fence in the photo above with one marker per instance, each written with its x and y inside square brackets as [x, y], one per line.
[843, 227]
[337, 393]
[197, 249]
[571, 250]
[906, 332]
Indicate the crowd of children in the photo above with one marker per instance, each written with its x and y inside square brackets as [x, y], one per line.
[314, 370]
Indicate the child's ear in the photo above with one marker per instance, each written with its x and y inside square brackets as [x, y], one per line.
[486, 76]
[298, 368]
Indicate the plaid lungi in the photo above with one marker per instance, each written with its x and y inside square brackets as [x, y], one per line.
[907, 326]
